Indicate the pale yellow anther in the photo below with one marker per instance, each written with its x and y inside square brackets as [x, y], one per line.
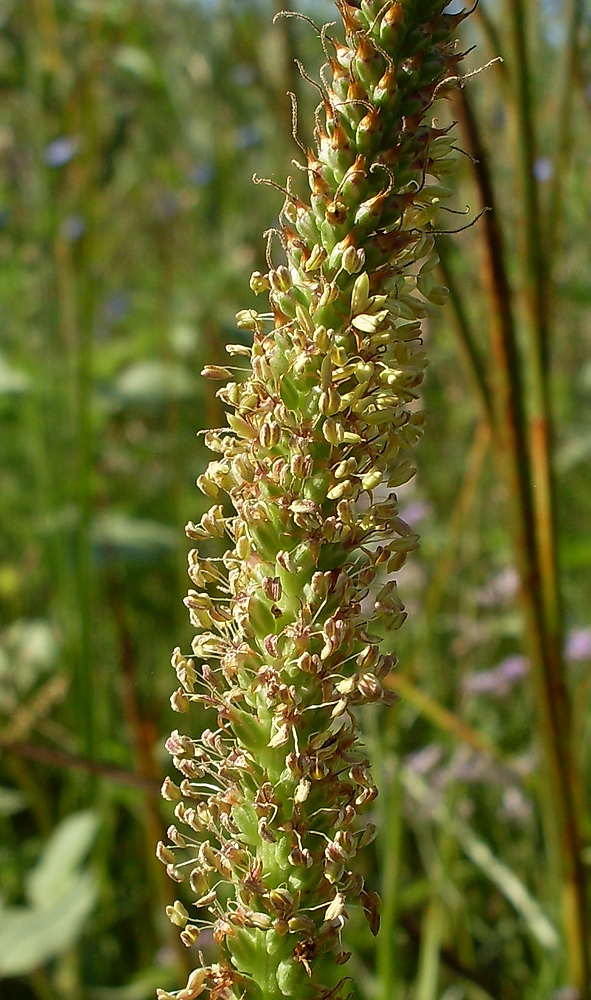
[304, 319]
[215, 372]
[338, 355]
[329, 402]
[364, 371]
[333, 431]
[241, 426]
[302, 791]
[316, 258]
[321, 338]
[259, 282]
[371, 479]
[345, 468]
[247, 319]
[353, 259]
[343, 488]
[336, 908]
[326, 370]
[360, 294]
[369, 322]
[329, 294]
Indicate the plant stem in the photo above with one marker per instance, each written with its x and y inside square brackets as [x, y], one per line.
[465, 333]
[391, 827]
[568, 73]
[541, 633]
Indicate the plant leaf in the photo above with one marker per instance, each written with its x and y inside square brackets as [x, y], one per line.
[55, 872]
[11, 801]
[29, 937]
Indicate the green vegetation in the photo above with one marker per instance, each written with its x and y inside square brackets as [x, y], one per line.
[129, 132]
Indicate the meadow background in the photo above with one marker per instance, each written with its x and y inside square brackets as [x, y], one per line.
[129, 226]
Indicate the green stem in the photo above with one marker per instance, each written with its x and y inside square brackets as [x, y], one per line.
[537, 285]
[569, 71]
[561, 787]
[492, 35]
[390, 987]
[465, 332]
[432, 931]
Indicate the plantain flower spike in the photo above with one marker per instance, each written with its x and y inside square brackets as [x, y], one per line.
[273, 800]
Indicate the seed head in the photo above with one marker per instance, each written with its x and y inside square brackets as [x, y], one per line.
[288, 622]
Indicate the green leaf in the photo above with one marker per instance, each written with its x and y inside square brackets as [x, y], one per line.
[142, 987]
[62, 899]
[12, 382]
[11, 801]
[505, 879]
[29, 937]
[135, 61]
[153, 382]
[135, 538]
[55, 872]
[28, 650]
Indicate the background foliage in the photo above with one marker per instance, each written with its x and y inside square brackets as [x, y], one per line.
[129, 131]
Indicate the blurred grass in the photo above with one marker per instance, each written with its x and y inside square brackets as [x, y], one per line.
[129, 132]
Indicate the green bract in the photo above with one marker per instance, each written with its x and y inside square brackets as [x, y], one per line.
[272, 798]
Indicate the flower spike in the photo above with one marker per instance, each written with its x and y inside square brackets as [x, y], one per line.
[273, 798]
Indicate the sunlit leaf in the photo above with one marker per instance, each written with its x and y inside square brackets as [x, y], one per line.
[11, 801]
[12, 381]
[30, 936]
[55, 871]
[134, 538]
[153, 382]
